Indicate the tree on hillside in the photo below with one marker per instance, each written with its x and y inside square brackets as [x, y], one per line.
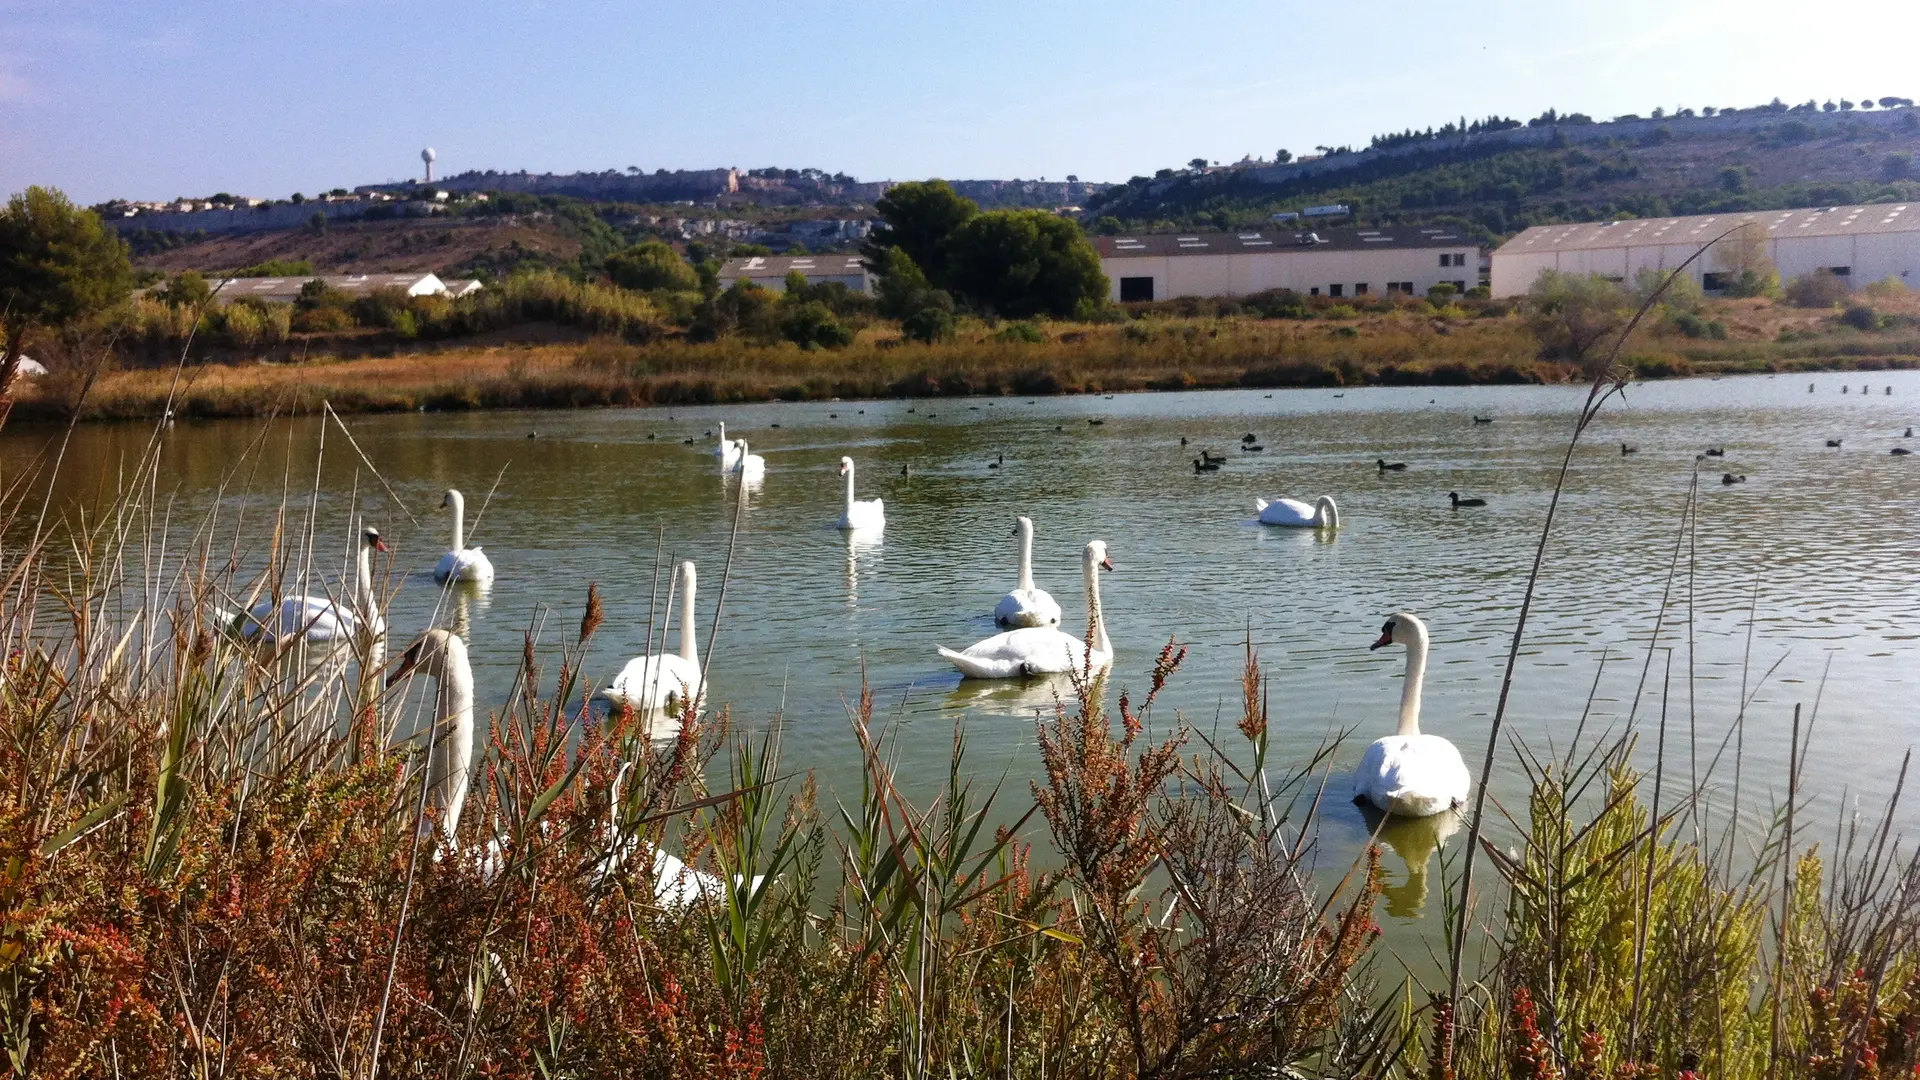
[186, 289]
[59, 265]
[1574, 314]
[649, 265]
[1021, 263]
[917, 218]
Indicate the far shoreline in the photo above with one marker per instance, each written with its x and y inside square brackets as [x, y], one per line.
[552, 390]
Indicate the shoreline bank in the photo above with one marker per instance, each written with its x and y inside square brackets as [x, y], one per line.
[1168, 355]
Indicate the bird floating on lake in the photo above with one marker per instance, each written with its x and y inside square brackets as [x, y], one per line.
[1390, 466]
[1729, 478]
[1459, 502]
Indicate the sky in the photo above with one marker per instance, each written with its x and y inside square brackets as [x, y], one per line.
[150, 100]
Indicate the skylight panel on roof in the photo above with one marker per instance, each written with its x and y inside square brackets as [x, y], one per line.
[1383, 240]
[1257, 243]
[1186, 239]
[1249, 236]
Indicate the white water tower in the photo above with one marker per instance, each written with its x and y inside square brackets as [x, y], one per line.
[427, 156]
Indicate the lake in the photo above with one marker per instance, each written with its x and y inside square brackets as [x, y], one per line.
[1819, 544]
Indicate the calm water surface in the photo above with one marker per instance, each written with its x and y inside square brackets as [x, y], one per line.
[1820, 542]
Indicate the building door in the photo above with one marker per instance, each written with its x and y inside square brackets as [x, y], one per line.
[1136, 289]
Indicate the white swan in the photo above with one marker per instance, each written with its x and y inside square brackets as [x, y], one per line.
[662, 681]
[749, 465]
[1038, 650]
[1323, 514]
[1407, 773]
[728, 450]
[319, 619]
[1026, 605]
[441, 654]
[676, 886]
[860, 513]
[462, 563]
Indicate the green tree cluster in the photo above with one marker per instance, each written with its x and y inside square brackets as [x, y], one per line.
[1016, 263]
[650, 266]
[1573, 315]
[59, 266]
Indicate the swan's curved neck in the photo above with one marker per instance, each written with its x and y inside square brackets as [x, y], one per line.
[363, 578]
[1100, 643]
[449, 768]
[723, 433]
[1026, 557]
[459, 504]
[1329, 512]
[1416, 675]
[687, 650]
[849, 487]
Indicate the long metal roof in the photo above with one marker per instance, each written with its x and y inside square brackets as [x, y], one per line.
[288, 288]
[1270, 241]
[1701, 228]
[779, 266]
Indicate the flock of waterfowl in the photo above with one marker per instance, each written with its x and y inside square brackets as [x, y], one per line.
[1407, 774]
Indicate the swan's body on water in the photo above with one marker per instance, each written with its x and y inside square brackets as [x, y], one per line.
[461, 563]
[1408, 774]
[1044, 650]
[321, 619]
[663, 681]
[860, 513]
[1027, 604]
[728, 450]
[749, 465]
[443, 656]
[1323, 514]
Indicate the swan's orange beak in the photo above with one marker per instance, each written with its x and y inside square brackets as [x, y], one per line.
[1106, 563]
[1386, 639]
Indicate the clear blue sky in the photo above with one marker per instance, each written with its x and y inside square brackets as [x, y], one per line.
[151, 100]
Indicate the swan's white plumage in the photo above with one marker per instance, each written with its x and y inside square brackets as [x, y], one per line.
[1027, 605]
[1409, 774]
[860, 513]
[320, 619]
[1414, 775]
[1322, 514]
[440, 654]
[749, 465]
[663, 680]
[461, 563]
[728, 450]
[1038, 650]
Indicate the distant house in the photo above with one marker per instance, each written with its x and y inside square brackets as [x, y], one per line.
[1341, 262]
[285, 290]
[1857, 244]
[770, 271]
[459, 287]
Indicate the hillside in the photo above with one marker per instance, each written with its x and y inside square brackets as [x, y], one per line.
[1500, 183]
[450, 248]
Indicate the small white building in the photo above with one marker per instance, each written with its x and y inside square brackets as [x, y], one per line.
[1341, 262]
[770, 271]
[285, 290]
[459, 287]
[1858, 244]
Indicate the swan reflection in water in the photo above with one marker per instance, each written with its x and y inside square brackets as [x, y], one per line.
[1029, 699]
[863, 549]
[467, 599]
[1415, 840]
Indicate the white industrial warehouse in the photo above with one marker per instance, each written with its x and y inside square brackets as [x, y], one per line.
[770, 271]
[1858, 244]
[1342, 262]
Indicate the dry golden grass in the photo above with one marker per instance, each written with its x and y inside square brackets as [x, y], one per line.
[1154, 353]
